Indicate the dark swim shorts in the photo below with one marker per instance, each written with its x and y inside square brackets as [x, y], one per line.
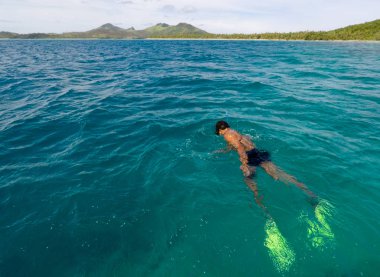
[256, 157]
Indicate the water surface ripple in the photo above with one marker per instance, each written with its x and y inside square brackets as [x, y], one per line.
[107, 165]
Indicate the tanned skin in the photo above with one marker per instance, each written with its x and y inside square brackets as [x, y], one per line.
[242, 144]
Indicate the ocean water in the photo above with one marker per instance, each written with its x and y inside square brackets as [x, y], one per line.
[108, 163]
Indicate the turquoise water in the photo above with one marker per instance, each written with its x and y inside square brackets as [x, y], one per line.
[107, 165]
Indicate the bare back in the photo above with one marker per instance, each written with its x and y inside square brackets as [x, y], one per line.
[236, 139]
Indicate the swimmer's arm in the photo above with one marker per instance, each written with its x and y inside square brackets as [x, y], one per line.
[225, 150]
[244, 161]
[241, 151]
[242, 155]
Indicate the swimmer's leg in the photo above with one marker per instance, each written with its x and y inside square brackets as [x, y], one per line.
[279, 174]
[253, 186]
[271, 169]
[279, 250]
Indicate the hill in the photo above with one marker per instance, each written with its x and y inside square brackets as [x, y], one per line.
[7, 35]
[365, 31]
[109, 31]
[105, 31]
[181, 29]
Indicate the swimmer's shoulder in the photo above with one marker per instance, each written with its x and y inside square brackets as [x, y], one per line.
[233, 134]
[233, 137]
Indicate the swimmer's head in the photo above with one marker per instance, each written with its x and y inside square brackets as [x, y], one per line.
[221, 125]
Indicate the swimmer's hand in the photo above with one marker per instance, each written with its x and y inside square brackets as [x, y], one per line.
[221, 151]
[246, 171]
[225, 150]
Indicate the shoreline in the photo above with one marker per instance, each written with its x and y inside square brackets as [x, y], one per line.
[253, 39]
[195, 39]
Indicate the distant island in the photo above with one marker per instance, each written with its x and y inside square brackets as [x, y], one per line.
[364, 31]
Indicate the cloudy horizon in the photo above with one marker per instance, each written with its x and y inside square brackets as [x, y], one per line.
[224, 16]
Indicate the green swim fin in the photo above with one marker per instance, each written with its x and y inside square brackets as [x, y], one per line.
[279, 250]
[319, 232]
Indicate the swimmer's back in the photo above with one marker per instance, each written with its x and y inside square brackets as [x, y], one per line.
[243, 140]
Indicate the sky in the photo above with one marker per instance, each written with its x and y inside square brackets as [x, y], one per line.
[215, 16]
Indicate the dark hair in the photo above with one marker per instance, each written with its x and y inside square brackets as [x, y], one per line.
[221, 125]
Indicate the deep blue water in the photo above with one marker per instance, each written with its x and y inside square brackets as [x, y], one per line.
[107, 165]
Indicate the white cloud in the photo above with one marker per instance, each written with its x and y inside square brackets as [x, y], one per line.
[126, 2]
[168, 9]
[189, 9]
[222, 16]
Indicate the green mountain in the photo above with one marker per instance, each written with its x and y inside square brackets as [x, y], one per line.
[181, 29]
[109, 31]
[364, 31]
[105, 31]
[7, 35]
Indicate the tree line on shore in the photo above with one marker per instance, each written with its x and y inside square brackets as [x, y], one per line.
[365, 31]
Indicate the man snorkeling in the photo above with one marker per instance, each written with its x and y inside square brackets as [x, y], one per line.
[319, 232]
[251, 157]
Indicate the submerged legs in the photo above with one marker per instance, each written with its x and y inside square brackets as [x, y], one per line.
[279, 250]
[281, 175]
[253, 186]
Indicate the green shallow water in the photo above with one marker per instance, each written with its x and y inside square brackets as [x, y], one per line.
[107, 165]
